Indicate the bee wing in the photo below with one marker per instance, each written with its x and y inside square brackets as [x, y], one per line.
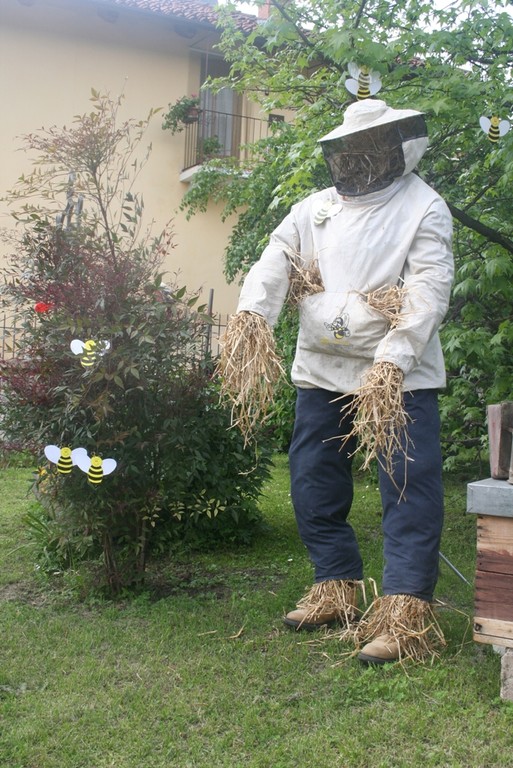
[504, 127]
[375, 83]
[108, 466]
[353, 69]
[77, 346]
[52, 453]
[78, 454]
[82, 460]
[103, 347]
[352, 86]
[485, 123]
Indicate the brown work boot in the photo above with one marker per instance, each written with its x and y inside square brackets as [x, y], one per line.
[327, 603]
[381, 650]
[398, 627]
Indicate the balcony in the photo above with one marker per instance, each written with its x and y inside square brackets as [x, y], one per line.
[220, 134]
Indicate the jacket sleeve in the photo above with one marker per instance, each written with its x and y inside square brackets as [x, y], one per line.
[428, 275]
[266, 285]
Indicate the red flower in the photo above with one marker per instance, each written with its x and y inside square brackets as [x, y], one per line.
[42, 307]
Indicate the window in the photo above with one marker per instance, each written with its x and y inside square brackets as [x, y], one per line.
[221, 112]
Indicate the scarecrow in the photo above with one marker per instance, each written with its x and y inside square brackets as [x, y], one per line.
[369, 263]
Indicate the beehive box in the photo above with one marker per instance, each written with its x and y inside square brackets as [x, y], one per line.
[492, 501]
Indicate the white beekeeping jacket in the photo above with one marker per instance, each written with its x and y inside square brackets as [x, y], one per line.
[401, 236]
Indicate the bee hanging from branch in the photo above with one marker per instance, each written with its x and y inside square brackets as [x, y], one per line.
[64, 458]
[89, 350]
[363, 83]
[95, 467]
[494, 127]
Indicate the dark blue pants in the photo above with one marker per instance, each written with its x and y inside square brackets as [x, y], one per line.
[322, 494]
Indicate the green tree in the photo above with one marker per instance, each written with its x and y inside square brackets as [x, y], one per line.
[454, 64]
[112, 362]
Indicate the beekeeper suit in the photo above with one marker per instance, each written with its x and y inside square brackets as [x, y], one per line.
[379, 225]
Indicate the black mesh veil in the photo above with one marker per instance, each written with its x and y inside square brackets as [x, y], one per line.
[367, 161]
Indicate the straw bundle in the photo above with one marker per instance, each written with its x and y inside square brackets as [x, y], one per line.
[379, 420]
[388, 301]
[408, 621]
[305, 280]
[249, 369]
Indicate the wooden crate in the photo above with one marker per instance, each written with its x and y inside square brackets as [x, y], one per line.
[492, 501]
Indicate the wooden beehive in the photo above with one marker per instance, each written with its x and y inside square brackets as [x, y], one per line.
[492, 501]
[500, 427]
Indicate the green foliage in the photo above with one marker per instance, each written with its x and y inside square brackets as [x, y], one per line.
[146, 398]
[281, 420]
[184, 110]
[454, 64]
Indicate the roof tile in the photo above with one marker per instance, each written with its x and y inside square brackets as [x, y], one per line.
[188, 9]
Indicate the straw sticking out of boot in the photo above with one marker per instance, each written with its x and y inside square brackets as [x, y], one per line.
[249, 369]
[407, 620]
[338, 596]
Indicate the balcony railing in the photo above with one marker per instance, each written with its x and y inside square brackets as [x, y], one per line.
[220, 134]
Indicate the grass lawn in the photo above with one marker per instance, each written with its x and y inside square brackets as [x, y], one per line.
[201, 673]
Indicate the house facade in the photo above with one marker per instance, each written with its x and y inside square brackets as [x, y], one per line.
[53, 52]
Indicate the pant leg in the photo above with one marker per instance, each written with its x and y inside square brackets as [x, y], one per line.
[412, 523]
[322, 486]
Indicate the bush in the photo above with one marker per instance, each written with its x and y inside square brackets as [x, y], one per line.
[112, 361]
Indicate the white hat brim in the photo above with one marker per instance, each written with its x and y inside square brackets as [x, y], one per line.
[366, 114]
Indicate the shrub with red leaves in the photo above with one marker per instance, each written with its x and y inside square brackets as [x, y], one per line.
[112, 361]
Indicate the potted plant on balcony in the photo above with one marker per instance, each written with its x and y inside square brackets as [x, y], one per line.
[185, 110]
[210, 147]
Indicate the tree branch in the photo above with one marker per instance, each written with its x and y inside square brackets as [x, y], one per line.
[480, 228]
[327, 60]
[359, 14]
[304, 37]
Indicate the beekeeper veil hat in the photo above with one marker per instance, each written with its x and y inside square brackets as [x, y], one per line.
[374, 145]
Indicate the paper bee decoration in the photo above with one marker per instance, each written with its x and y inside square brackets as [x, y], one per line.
[89, 350]
[494, 127]
[326, 211]
[363, 82]
[64, 458]
[95, 467]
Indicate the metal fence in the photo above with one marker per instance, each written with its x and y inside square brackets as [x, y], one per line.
[214, 333]
[221, 134]
[11, 335]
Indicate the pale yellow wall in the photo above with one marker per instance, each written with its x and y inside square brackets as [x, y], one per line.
[53, 52]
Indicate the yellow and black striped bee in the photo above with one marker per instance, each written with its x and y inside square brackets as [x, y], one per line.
[363, 82]
[494, 127]
[89, 350]
[339, 326]
[96, 468]
[64, 457]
